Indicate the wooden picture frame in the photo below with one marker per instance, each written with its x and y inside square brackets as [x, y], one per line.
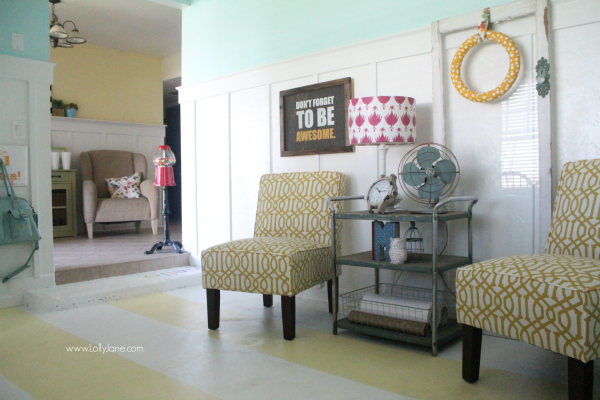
[313, 119]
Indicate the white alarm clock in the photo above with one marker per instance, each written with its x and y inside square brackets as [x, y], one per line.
[382, 193]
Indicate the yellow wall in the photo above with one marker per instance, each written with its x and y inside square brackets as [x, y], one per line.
[109, 84]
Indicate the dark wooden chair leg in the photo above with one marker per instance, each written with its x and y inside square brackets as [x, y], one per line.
[330, 293]
[581, 379]
[213, 306]
[288, 313]
[471, 357]
[267, 300]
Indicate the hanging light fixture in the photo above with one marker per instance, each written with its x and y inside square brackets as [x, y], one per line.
[63, 43]
[59, 37]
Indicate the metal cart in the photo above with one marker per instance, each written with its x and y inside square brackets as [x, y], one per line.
[430, 263]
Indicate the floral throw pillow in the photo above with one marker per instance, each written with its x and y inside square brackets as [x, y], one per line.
[127, 187]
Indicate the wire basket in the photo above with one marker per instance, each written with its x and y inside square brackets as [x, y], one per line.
[402, 309]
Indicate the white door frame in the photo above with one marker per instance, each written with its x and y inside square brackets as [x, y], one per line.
[505, 12]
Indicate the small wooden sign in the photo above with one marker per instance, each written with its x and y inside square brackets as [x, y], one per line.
[16, 161]
[313, 119]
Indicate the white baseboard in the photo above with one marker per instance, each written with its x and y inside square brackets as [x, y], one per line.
[7, 301]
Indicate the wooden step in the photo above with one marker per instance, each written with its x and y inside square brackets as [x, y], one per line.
[144, 263]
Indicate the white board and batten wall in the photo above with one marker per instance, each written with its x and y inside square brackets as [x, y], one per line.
[25, 87]
[230, 132]
[79, 135]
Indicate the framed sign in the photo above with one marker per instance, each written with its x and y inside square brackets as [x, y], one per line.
[313, 118]
[16, 161]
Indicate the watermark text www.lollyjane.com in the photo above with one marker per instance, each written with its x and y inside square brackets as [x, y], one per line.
[105, 349]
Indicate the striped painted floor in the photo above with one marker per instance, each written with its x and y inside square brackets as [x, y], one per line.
[246, 358]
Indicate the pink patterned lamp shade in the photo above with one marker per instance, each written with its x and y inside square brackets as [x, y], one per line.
[382, 120]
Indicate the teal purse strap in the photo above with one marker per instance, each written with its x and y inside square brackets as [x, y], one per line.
[16, 212]
[11, 193]
[24, 266]
[6, 179]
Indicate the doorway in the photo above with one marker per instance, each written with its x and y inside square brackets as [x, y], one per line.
[173, 139]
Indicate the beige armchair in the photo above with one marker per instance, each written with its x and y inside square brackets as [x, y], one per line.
[98, 207]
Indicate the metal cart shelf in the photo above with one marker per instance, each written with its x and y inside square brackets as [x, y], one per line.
[429, 263]
[444, 263]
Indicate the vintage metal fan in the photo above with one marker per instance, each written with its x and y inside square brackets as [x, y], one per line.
[428, 172]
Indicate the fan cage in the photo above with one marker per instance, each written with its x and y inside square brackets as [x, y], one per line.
[412, 191]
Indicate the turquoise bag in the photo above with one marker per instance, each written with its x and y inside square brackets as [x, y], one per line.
[18, 221]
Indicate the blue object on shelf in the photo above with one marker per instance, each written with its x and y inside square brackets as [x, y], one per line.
[70, 112]
[382, 233]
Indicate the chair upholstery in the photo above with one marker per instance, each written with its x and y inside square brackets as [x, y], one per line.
[548, 300]
[290, 251]
[551, 300]
[98, 207]
[267, 265]
[576, 220]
